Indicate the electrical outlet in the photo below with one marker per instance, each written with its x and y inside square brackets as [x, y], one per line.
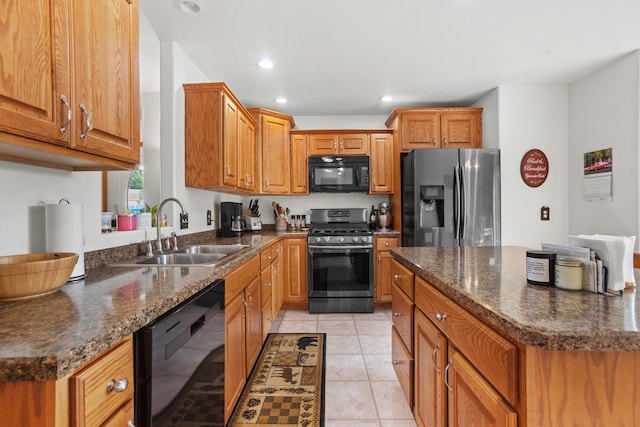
[544, 213]
[208, 216]
[184, 221]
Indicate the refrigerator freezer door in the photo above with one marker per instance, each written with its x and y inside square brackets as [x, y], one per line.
[480, 196]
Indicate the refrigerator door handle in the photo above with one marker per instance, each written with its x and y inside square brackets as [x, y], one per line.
[463, 207]
[456, 203]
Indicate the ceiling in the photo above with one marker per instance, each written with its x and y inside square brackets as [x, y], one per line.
[338, 57]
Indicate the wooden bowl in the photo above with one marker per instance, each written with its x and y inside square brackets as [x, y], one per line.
[30, 275]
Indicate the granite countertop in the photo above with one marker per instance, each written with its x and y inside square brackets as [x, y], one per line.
[490, 282]
[48, 337]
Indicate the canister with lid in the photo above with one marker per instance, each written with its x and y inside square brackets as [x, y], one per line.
[540, 267]
[568, 274]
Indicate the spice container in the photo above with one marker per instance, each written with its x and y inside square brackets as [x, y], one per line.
[540, 267]
[568, 274]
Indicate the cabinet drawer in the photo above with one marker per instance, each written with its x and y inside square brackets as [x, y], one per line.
[236, 281]
[492, 355]
[265, 258]
[95, 394]
[402, 316]
[276, 250]
[267, 318]
[403, 277]
[403, 365]
[386, 243]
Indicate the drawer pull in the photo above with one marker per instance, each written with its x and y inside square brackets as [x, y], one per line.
[396, 314]
[386, 243]
[396, 277]
[119, 386]
[446, 375]
[130, 423]
[441, 316]
[433, 358]
[396, 363]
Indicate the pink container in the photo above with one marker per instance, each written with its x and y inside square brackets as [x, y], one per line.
[127, 222]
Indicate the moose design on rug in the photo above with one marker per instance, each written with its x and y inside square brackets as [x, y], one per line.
[286, 373]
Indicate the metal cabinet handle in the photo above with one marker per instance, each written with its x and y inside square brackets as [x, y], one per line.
[396, 277]
[87, 122]
[266, 183]
[386, 243]
[268, 284]
[433, 358]
[396, 314]
[434, 141]
[341, 147]
[396, 363]
[245, 304]
[130, 423]
[446, 375]
[63, 129]
[119, 386]
[444, 140]
[441, 316]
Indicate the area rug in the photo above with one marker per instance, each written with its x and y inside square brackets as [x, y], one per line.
[286, 386]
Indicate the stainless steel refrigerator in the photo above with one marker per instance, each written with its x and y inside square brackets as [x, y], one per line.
[451, 197]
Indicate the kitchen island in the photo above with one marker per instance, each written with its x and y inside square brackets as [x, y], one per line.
[544, 356]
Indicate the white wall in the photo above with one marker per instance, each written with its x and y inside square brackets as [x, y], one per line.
[521, 118]
[604, 113]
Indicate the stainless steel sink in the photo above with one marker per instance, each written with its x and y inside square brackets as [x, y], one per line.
[177, 258]
[213, 249]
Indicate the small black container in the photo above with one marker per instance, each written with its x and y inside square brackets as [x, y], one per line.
[541, 267]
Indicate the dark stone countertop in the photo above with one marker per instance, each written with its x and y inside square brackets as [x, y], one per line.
[50, 336]
[490, 282]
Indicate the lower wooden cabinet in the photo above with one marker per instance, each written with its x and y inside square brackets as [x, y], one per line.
[295, 274]
[382, 269]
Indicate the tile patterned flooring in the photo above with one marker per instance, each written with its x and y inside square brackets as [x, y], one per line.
[361, 388]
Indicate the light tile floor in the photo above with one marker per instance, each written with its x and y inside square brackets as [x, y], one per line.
[361, 387]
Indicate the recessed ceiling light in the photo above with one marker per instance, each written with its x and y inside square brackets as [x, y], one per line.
[386, 98]
[189, 6]
[266, 64]
[281, 100]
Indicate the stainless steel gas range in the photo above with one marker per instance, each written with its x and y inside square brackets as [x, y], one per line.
[340, 247]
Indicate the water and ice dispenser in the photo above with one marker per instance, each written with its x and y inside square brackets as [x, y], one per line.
[431, 221]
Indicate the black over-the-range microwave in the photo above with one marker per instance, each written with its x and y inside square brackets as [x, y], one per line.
[339, 174]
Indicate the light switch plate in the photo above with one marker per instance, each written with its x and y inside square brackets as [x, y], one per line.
[544, 213]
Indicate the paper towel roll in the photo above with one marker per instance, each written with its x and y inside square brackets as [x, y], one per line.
[63, 233]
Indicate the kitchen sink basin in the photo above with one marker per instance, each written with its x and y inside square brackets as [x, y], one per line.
[177, 258]
[213, 249]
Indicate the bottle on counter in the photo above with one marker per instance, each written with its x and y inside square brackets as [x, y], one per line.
[373, 221]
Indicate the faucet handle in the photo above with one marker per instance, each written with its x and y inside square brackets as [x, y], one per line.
[174, 241]
[148, 246]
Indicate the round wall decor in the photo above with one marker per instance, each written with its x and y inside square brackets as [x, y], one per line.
[534, 168]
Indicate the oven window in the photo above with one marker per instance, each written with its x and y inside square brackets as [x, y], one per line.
[341, 274]
[334, 176]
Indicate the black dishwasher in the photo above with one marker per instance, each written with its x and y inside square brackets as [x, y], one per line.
[179, 364]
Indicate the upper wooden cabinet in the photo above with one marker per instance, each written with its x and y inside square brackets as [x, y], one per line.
[331, 143]
[437, 127]
[69, 96]
[382, 164]
[219, 139]
[274, 150]
[299, 165]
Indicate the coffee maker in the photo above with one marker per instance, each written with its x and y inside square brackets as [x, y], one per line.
[230, 219]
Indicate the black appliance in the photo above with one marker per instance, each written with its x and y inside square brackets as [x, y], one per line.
[172, 350]
[333, 174]
[340, 249]
[230, 219]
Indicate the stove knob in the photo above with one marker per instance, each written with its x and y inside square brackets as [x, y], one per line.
[340, 239]
[355, 238]
[318, 239]
[327, 238]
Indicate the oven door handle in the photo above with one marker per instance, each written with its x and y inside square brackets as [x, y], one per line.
[340, 247]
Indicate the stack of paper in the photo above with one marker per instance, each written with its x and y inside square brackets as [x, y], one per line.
[592, 272]
[616, 253]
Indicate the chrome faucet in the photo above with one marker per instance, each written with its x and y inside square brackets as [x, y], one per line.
[183, 219]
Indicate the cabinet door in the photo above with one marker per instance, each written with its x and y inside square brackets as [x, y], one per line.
[295, 287]
[381, 166]
[402, 365]
[230, 144]
[276, 152]
[460, 130]
[383, 276]
[471, 399]
[253, 335]
[419, 130]
[299, 165]
[246, 154]
[323, 145]
[235, 374]
[105, 69]
[356, 144]
[429, 357]
[35, 70]
[277, 279]
[124, 417]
